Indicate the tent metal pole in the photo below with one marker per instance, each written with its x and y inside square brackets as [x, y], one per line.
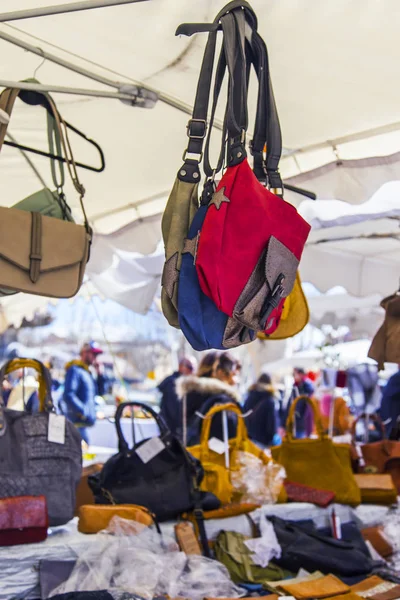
[165, 98]
[38, 87]
[60, 61]
[46, 11]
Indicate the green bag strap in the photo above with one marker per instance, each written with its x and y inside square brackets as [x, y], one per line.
[54, 140]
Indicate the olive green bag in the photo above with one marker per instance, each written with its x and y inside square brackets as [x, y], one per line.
[180, 209]
[231, 551]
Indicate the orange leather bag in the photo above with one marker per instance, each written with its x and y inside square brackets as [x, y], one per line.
[96, 517]
[377, 457]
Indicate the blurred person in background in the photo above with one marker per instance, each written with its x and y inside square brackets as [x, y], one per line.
[302, 386]
[78, 401]
[263, 422]
[170, 406]
[215, 383]
[390, 405]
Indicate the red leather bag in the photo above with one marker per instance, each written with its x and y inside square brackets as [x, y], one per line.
[23, 520]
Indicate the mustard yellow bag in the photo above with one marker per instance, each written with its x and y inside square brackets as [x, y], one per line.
[217, 478]
[295, 315]
[319, 462]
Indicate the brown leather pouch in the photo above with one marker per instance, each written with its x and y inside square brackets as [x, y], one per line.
[96, 517]
[376, 489]
[375, 536]
[84, 494]
[324, 587]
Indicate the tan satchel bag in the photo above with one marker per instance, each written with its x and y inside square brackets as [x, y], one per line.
[38, 254]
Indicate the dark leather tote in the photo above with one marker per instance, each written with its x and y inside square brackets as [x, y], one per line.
[30, 465]
[310, 550]
[157, 473]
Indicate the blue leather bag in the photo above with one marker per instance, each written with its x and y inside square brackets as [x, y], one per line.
[203, 325]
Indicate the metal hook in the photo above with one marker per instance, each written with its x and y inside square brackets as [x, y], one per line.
[41, 64]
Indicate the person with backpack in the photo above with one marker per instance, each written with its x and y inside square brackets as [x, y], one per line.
[214, 383]
[263, 420]
[78, 402]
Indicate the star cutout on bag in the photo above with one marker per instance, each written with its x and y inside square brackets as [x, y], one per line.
[218, 198]
[170, 275]
[190, 246]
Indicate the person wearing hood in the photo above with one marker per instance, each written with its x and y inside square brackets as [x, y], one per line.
[263, 421]
[78, 402]
[214, 384]
[170, 404]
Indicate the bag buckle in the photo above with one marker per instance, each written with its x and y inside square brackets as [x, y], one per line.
[273, 299]
[198, 133]
[199, 514]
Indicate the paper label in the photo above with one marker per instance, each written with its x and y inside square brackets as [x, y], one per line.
[216, 445]
[150, 449]
[56, 432]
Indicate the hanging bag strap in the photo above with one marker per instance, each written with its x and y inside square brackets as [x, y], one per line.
[70, 161]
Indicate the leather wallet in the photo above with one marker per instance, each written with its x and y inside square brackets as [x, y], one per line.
[367, 584]
[376, 488]
[324, 587]
[297, 492]
[23, 520]
[96, 517]
[376, 537]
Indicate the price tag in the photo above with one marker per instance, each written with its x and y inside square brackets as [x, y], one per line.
[150, 449]
[56, 432]
[216, 445]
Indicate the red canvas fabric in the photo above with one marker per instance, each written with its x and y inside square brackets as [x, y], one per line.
[236, 233]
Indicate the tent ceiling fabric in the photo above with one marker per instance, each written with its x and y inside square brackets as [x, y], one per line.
[321, 95]
[331, 83]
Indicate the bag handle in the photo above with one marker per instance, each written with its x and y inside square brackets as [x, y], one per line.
[122, 443]
[45, 399]
[241, 431]
[292, 413]
[374, 418]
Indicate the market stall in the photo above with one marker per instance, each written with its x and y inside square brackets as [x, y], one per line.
[186, 501]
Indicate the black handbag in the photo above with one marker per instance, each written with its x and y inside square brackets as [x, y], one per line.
[306, 549]
[157, 473]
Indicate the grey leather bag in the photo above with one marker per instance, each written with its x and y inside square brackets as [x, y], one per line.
[30, 465]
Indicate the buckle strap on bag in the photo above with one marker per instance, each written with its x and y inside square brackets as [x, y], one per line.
[35, 256]
[199, 516]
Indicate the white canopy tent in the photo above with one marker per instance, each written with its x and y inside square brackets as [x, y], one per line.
[332, 68]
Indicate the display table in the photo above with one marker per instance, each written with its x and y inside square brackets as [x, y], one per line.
[104, 433]
[19, 574]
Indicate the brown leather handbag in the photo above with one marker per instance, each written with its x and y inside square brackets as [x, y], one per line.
[38, 254]
[377, 457]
